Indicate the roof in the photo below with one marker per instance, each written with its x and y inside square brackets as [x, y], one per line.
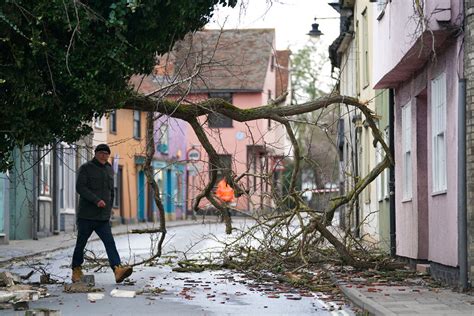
[229, 60]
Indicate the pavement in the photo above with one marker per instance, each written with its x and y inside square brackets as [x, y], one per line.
[21, 249]
[372, 298]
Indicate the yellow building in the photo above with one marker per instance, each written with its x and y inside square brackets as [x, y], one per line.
[127, 139]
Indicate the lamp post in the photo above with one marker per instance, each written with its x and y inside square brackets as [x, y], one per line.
[315, 32]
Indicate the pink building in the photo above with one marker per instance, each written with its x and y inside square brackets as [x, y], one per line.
[418, 54]
[239, 66]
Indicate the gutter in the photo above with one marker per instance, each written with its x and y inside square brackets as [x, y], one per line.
[462, 207]
[391, 183]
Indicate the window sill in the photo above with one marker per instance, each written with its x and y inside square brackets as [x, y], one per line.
[441, 192]
[45, 198]
[67, 211]
[112, 132]
[406, 200]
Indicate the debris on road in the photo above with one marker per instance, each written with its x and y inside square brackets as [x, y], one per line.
[81, 288]
[92, 297]
[122, 293]
[8, 279]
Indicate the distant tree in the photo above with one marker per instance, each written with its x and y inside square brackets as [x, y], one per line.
[315, 131]
[63, 62]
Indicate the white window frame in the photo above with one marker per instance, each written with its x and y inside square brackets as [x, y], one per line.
[98, 123]
[438, 133]
[365, 48]
[45, 172]
[407, 175]
[67, 178]
[137, 124]
[164, 136]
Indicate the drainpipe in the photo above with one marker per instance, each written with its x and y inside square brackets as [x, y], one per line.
[55, 189]
[357, 121]
[34, 231]
[391, 183]
[462, 208]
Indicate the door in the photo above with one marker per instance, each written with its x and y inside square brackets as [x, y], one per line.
[141, 196]
[422, 174]
[169, 192]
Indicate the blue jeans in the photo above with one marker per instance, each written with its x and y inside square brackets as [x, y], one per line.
[85, 227]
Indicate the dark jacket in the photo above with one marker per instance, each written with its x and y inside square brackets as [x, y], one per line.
[95, 182]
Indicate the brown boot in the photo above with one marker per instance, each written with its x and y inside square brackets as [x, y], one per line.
[122, 272]
[76, 274]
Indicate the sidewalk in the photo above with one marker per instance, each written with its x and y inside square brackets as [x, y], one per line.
[21, 249]
[410, 299]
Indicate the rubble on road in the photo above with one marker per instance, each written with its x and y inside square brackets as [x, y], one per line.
[80, 287]
[8, 279]
[92, 297]
[122, 293]
[15, 295]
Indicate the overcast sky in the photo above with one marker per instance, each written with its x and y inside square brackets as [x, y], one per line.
[291, 19]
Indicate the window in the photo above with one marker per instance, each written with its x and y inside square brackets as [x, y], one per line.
[365, 49]
[163, 138]
[117, 188]
[438, 132]
[407, 158]
[383, 178]
[83, 155]
[113, 122]
[67, 177]
[98, 122]
[45, 171]
[226, 161]
[217, 120]
[137, 124]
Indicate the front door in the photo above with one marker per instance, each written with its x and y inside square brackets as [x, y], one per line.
[169, 192]
[141, 196]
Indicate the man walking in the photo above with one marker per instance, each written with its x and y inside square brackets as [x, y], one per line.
[95, 185]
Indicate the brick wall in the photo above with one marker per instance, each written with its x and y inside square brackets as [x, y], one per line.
[469, 75]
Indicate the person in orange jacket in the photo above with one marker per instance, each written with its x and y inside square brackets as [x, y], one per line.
[224, 191]
[226, 194]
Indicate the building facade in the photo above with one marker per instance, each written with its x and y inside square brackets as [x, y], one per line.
[422, 63]
[243, 71]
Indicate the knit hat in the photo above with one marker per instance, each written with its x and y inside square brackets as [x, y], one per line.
[102, 147]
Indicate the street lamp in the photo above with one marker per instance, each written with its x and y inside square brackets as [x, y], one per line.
[315, 32]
